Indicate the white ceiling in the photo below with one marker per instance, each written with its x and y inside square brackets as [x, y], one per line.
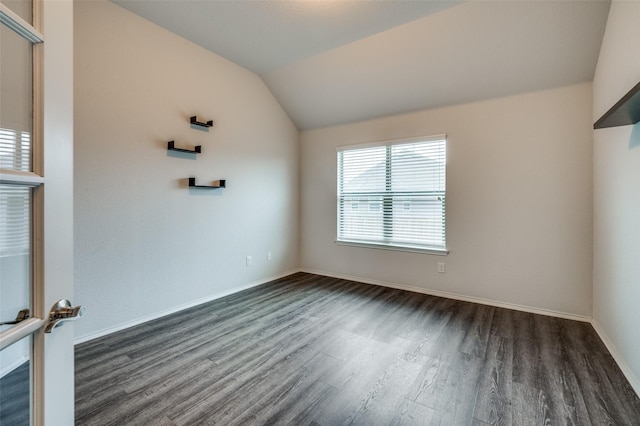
[333, 62]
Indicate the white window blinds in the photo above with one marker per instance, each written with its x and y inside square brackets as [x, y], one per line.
[393, 194]
[15, 220]
[15, 150]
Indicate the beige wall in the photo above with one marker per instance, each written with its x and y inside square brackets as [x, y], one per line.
[144, 243]
[519, 202]
[617, 194]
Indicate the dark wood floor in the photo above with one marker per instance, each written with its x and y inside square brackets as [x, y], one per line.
[15, 402]
[312, 350]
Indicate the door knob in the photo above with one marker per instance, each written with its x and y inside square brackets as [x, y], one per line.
[63, 311]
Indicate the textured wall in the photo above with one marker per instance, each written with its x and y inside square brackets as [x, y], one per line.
[144, 243]
[519, 201]
[617, 193]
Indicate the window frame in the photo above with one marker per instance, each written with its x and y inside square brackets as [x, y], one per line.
[386, 202]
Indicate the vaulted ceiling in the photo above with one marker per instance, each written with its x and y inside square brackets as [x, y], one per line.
[334, 62]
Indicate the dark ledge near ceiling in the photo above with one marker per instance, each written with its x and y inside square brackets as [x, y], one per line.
[626, 111]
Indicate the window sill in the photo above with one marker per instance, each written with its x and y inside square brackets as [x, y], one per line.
[412, 249]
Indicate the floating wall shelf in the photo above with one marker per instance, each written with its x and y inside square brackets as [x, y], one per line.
[195, 122]
[217, 184]
[623, 113]
[171, 146]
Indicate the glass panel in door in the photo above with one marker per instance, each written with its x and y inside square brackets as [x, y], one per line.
[22, 8]
[16, 204]
[15, 383]
[15, 254]
[16, 101]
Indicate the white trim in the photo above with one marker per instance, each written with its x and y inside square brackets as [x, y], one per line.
[6, 369]
[14, 177]
[429, 138]
[634, 380]
[179, 308]
[455, 296]
[19, 25]
[380, 246]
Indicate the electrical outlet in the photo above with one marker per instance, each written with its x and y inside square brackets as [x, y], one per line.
[269, 255]
[249, 261]
[441, 267]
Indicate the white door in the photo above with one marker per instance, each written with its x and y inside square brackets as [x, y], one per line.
[36, 210]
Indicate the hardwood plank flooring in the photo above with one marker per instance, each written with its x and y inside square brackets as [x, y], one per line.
[314, 350]
[15, 400]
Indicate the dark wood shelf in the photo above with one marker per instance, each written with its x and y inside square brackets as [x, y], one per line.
[217, 184]
[626, 111]
[194, 122]
[171, 146]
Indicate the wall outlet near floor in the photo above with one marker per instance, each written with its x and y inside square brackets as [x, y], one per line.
[268, 255]
[249, 261]
[441, 267]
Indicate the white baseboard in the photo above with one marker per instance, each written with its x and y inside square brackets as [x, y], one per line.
[617, 356]
[179, 308]
[455, 296]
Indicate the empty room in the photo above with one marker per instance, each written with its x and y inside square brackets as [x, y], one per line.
[319, 212]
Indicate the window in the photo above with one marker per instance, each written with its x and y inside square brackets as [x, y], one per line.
[404, 184]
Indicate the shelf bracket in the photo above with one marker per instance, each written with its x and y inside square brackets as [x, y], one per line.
[194, 122]
[222, 183]
[171, 146]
